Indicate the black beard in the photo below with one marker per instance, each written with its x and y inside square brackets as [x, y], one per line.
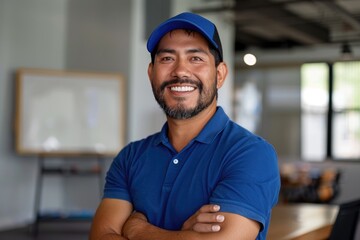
[179, 111]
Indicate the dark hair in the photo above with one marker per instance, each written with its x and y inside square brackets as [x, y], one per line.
[212, 49]
[216, 55]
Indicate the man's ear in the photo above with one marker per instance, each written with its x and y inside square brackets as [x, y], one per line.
[150, 69]
[222, 72]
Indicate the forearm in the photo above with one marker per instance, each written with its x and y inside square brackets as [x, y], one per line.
[113, 236]
[236, 227]
[146, 231]
[138, 228]
[109, 219]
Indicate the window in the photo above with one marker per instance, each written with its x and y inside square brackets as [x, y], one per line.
[346, 110]
[330, 111]
[314, 108]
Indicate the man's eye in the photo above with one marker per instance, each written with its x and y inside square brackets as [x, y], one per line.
[166, 58]
[196, 59]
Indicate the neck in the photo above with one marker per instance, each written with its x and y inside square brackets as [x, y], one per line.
[181, 132]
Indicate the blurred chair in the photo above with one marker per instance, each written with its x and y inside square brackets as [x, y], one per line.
[301, 184]
[347, 223]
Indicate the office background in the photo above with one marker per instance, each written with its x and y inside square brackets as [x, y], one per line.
[110, 36]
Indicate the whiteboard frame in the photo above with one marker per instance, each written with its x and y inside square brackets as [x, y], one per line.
[20, 118]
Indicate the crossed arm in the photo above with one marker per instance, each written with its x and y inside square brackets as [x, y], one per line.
[114, 220]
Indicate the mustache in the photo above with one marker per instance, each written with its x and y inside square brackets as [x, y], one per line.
[198, 84]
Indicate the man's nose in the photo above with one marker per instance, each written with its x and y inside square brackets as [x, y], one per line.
[181, 70]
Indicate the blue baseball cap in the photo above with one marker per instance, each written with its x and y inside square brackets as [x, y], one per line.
[189, 21]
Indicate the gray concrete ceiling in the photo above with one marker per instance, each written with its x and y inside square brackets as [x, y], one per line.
[277, 24]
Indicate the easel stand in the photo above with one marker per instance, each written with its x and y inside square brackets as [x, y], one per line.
[63, 171]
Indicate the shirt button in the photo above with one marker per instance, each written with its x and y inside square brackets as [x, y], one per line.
[175, 161]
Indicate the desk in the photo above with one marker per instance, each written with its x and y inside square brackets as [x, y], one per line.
[301, 221]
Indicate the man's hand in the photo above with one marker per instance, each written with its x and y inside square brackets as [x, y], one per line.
[206, 219]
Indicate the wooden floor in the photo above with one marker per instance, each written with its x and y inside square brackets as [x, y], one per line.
[50, 231]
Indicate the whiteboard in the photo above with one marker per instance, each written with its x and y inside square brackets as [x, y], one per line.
[69, 113]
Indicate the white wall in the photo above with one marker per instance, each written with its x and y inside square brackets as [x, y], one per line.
[31, 35]
[97, 39]
[55, 35]
[145, 117]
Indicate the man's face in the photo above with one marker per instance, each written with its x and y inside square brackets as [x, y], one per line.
[183, 76]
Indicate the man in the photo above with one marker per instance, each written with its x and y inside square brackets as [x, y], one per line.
[202, 176]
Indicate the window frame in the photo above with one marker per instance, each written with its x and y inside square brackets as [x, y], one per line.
[329, 155]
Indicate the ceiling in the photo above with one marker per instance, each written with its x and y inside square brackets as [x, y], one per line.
[280, 24]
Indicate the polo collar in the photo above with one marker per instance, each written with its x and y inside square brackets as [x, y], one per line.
[215, 125]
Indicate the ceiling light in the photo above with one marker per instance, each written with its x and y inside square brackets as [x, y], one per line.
[250, 59]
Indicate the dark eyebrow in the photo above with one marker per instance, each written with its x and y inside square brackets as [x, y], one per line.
[172, 51]
[165, 50]
[197, 50]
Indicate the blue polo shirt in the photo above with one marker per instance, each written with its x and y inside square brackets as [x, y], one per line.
[225, 165]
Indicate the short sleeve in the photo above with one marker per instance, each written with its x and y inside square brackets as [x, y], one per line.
[116, 181]
[250, 183]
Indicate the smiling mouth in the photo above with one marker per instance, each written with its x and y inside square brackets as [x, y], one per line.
[182, 88]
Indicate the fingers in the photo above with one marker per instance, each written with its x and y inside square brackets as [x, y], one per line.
[204, 227]
[206, 219]
[209, 218]
[209, 208]
[206, 222]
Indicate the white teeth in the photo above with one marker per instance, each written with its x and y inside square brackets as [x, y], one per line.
[182, 89]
